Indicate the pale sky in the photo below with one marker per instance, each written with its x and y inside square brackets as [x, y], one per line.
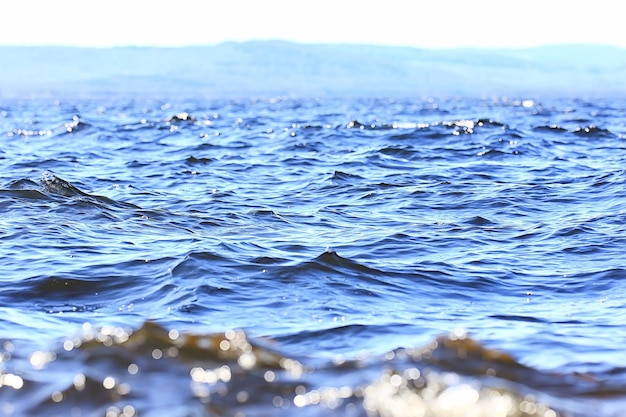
[424, 24]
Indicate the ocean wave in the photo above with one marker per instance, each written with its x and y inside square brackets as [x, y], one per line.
[355, 229]
[122, 370]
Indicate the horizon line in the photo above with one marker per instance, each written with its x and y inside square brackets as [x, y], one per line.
[342, 44]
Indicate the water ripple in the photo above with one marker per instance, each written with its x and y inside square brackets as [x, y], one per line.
[324, 228]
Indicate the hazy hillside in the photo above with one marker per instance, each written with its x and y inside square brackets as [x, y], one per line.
[281, 68]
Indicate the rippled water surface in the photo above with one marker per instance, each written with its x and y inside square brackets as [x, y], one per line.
[312, 257]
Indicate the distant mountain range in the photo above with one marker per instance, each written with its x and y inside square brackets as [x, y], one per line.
[270, 68]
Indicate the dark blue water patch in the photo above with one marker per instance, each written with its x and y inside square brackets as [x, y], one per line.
[337, 339]
[519, 318]
[192, 160]
[344, 176]
[592, 131]
[550, 129]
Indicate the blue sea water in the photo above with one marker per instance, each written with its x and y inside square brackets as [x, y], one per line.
[284, 256]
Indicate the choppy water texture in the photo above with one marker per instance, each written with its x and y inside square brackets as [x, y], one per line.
[312, 257]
